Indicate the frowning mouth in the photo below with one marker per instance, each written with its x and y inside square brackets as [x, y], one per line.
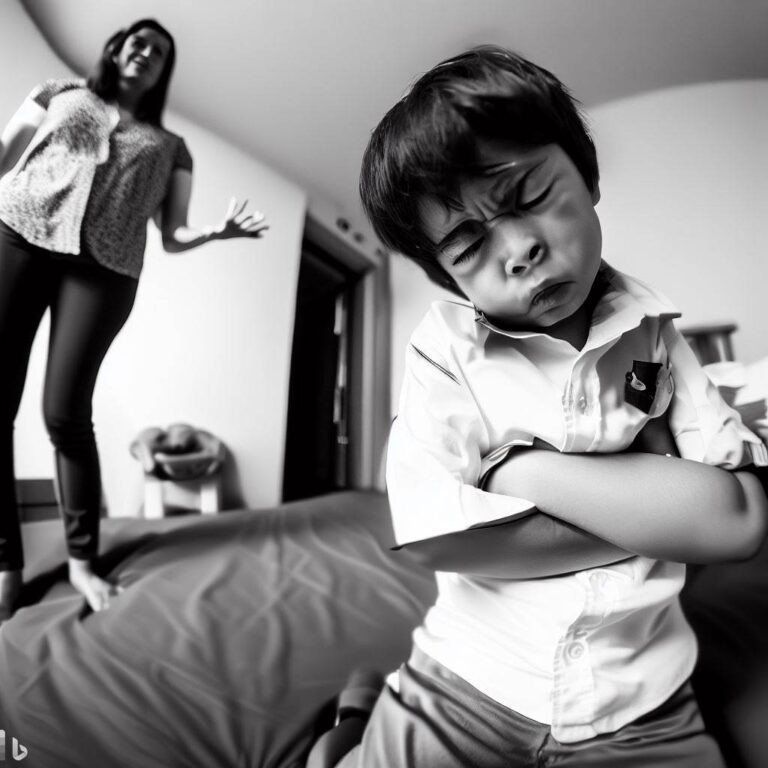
[548, 292]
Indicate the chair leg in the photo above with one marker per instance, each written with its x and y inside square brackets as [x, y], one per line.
[210, 496]
[154, 507]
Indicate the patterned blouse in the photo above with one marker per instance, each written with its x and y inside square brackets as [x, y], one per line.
[88, 182]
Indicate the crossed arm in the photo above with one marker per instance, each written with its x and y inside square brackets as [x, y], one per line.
[532, 547]
[588, 509]
[597, 509]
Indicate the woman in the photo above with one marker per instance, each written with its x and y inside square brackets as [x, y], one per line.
[83, 166]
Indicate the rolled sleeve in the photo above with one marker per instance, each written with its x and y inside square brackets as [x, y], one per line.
[434, 456]
[705, 427]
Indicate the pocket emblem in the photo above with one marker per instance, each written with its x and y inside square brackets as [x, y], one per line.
[640, 384]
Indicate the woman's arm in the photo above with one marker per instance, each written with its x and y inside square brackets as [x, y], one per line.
[178, 236]
[658, 506]
[18, 133]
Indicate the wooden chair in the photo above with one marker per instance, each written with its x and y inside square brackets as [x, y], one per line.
[711, 343]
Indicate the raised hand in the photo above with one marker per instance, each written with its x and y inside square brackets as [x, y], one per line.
[238, 223]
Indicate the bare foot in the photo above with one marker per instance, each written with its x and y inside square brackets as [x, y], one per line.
[10, 585]
[93, 588]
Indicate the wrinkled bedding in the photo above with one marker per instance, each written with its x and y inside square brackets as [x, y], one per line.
[231, 634]
[234, 631]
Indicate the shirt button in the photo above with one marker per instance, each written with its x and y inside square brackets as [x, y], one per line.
[575, 651]
[582, 404]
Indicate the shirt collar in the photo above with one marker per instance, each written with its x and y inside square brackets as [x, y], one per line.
[625, 302]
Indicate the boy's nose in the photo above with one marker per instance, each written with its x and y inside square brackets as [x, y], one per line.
[519, 246]
[518, 260]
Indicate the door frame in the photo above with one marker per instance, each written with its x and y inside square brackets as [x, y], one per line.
[369, 353]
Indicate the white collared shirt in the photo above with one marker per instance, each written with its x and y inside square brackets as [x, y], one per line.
[576, 651]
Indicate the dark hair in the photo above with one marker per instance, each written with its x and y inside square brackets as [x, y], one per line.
[103, 80]
[427, 142]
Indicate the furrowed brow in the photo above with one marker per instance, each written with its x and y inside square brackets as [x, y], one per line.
[459, 231]
[503, 190]
[497, 168]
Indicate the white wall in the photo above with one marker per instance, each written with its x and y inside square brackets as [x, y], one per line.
[685, 203]
[684, 206]
[209, 340]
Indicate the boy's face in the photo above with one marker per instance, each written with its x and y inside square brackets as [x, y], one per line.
[521, 238]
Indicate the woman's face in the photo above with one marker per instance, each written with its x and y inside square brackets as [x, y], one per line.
[142, 59]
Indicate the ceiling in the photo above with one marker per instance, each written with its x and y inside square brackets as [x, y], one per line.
[301, 83]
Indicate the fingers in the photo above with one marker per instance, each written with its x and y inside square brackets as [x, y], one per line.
[236, 210]
[247, 219]
[238, 214]
[241, 208]
[239, 223]
[251, 223]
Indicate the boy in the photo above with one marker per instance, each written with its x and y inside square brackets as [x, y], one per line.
[556, 638]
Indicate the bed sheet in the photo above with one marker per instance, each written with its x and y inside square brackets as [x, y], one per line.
[231, 634]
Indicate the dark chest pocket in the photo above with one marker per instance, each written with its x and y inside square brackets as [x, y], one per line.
[648, 387]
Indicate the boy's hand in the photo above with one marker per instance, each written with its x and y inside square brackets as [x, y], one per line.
[655, 437]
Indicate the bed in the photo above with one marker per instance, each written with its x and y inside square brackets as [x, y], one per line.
[727, 605]
[232, 633]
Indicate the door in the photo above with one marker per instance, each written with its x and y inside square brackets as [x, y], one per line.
[316, 452]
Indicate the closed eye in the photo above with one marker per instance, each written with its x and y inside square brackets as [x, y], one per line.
[468, 253]
[533, 202]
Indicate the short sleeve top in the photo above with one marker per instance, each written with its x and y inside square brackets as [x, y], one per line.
[88, 182]
[580, 651]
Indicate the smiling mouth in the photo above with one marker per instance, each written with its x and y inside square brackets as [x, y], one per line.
[548, 293]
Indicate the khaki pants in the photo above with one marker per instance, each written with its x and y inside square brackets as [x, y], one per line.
[438, 720]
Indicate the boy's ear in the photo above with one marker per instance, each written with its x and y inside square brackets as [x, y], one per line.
[596, 195]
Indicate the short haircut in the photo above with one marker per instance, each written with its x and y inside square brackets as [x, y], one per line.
[427, 142]
[103, 79]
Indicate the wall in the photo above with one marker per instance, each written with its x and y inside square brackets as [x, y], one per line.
[209, 339]
[683, 207]
[684, 200]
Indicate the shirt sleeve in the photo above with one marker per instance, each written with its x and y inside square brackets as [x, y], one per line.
[434, 456]
[705, 427]
[183, 158]
[43, 93]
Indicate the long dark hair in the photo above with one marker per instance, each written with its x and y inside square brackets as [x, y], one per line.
[103, 80]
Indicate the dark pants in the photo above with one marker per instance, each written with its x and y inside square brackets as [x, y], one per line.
[89, 305]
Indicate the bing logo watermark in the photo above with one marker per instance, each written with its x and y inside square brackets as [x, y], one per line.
[18, 750]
